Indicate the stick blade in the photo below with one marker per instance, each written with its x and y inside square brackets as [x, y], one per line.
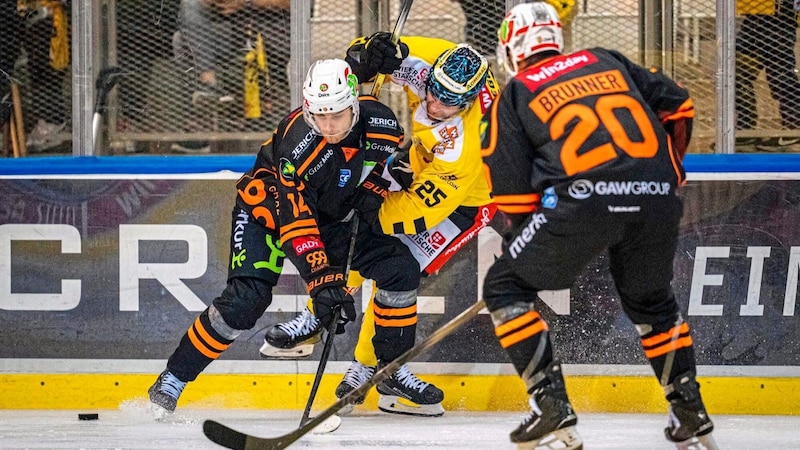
[233, 439]
[236, 440]
[330, 425]
[224, 436]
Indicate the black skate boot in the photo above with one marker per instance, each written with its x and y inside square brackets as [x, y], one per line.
[356, 375]
[164, 394]
[689, 425]
[293, 339]
[404, 393]
[551, 420]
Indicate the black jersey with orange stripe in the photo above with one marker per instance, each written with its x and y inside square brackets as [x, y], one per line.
[586, 121]
[300, 181]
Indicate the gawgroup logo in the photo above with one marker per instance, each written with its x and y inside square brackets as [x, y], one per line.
[581, 189]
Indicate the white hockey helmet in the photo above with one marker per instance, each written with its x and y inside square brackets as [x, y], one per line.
[330, 87]
[528, 29]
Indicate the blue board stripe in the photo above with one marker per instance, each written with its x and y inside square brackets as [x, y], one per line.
[157, 164]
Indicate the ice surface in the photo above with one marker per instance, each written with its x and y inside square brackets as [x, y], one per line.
[132, 427]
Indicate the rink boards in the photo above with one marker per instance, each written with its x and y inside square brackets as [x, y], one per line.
[107, 261]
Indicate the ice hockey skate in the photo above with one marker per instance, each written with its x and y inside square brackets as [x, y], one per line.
[356, 375]
[551, 421]
[293, 339]
[404, 393]
[689, 425]
[164, 394]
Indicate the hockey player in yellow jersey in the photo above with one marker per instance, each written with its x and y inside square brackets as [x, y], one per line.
[445, 117]
[439, 198]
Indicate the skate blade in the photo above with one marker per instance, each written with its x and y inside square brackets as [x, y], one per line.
[300, 351]
[328, 425]
[705, 442]
[397, 405]
[561, 439]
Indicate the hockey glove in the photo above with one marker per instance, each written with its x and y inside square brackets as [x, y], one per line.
[376, 55]
[329, 298]
[369, 195]
[400, 168]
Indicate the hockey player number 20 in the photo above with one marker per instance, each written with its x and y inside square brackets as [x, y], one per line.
[589, 120]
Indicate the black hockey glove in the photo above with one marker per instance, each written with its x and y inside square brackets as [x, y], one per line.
[369, 195]
[400, 168]
[376, 55]
[329, 298]
[327, 291]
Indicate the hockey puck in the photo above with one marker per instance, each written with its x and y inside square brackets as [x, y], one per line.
[88, 416]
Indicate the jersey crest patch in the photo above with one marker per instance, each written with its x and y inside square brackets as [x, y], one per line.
[344, 177]
[287, 169]
[448, 142]
[550, 198]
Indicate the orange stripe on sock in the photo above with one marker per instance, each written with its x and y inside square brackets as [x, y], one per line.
[395, 323]
[394, 312]
[517, 322]
[201, 346]
[213, 343]
[660, 338]
[683, 342]
[523, 334]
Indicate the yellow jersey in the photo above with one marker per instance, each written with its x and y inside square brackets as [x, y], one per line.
[445, 156]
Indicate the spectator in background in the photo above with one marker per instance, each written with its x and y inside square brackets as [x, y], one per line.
[240, 51]
[145, 31]
[46, 46]
[10, 30]
[766, 41]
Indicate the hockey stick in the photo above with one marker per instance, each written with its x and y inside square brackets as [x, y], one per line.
[670, 358]
[12, 137]
[323, 361]
[326, 350]
[398, 29]
[230, 438]
[105, 82]
[21, 149]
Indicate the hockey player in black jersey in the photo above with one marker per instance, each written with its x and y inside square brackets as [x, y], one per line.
[438, 192]
[321, 166]
[584, 154]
